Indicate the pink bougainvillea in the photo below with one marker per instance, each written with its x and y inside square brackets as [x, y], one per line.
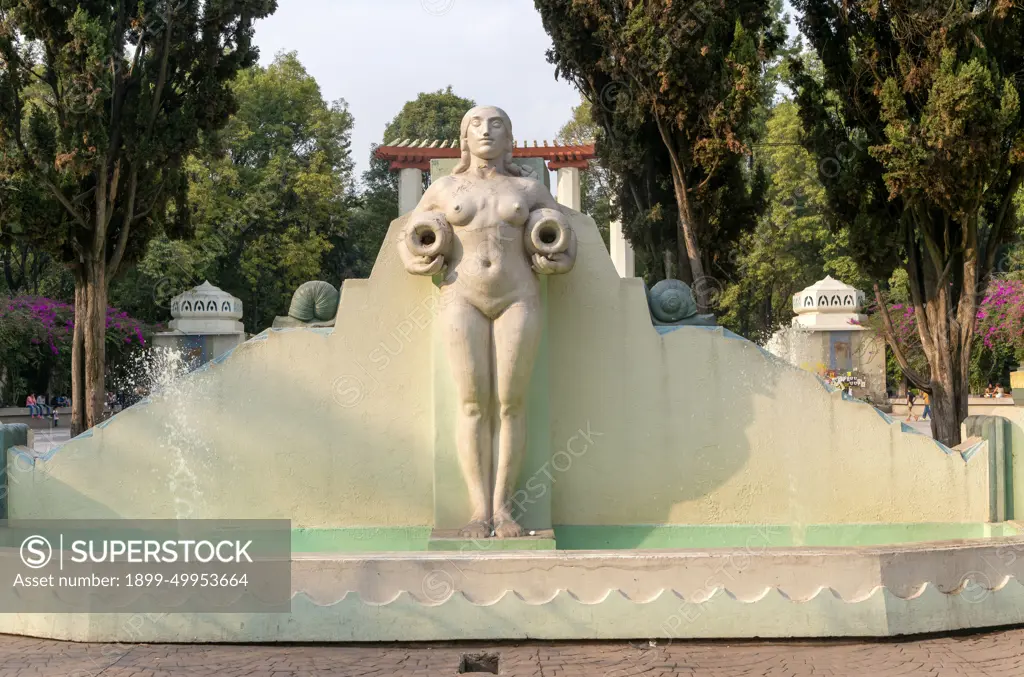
[1000, 319]
[1001, 315]
[40, 321]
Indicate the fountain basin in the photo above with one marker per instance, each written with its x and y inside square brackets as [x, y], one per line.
[756, 590]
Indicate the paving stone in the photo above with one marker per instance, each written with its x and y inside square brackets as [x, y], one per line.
[991, 654]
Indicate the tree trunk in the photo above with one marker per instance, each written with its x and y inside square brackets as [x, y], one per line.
[689, 250]
[95, 348]
[949, 407]
[947, 348]
[78, 390]
[88, 348]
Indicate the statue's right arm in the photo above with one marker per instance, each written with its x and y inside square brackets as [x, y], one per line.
[426, 240]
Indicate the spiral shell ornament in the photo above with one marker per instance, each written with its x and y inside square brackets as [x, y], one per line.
[671, 301]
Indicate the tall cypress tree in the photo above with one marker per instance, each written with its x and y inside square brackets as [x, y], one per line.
[920, 101]
[100, 102]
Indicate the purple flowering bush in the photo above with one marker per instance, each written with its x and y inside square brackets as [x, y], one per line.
[36, 334]
[1001, 316]
[999, 330]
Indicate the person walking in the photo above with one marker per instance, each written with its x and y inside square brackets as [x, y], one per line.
[926, 414]
[911, 398]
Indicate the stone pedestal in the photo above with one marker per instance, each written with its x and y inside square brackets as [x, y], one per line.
[449, 539]
[410, 189]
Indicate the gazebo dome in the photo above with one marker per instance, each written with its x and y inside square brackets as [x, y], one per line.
[206, 309]
[829, 304]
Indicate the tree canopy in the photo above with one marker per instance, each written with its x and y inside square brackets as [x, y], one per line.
[794, 243]
[269, 196]
[101, 102]
[678, 90]
[922, 103]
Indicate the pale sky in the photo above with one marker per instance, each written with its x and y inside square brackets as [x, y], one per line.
[378, 54]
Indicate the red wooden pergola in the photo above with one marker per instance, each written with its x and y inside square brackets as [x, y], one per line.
[417, 153]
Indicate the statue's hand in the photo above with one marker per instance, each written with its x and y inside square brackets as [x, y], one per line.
[424, 265]
[550, 242]
[555, 264]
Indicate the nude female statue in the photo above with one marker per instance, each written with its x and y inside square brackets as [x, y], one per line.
[487, 231]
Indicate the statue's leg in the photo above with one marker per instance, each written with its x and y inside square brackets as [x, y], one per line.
[516, 338]
[469, 351]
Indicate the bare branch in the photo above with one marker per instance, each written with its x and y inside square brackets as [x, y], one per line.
[126, 225]
[995, 234]
[897, 349]
[162, 78]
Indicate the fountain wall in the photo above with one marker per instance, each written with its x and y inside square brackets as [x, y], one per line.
[340, 428]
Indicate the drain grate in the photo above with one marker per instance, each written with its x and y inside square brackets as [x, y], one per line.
[476, 663]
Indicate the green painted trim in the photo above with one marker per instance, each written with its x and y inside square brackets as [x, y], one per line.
[644, 537]
[648, 537]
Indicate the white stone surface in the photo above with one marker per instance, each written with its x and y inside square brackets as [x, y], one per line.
[829, 334]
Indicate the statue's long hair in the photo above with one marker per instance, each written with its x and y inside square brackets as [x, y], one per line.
[511, 168]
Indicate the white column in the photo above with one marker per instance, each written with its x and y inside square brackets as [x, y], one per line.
[622, 252]
[620, 249]
[410, 189]
[568, 192]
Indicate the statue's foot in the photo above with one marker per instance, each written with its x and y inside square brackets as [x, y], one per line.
[476, 529]
[507, 528]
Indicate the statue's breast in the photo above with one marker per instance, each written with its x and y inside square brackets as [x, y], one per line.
[486, 204]
[512, 208]
[461, 209]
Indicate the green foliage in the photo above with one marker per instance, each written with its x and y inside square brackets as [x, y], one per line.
[268, 199]
[35, 344]
[793, 245]
[675, 88]
[924, 101]
[101, 102]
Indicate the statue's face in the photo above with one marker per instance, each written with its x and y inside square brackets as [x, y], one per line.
[488, 135]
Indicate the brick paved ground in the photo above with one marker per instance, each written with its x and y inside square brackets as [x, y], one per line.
[994, 654]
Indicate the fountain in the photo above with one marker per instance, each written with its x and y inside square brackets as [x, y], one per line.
[673, 480]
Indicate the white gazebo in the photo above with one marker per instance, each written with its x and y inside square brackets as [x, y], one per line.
[830, 336]
[829, 305]
[206, 323]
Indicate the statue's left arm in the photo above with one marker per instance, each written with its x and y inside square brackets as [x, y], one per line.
[550, 240]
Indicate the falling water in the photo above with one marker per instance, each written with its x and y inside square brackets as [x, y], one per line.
[162, 375]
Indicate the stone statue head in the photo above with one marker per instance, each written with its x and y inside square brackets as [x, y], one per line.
[486, 132]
